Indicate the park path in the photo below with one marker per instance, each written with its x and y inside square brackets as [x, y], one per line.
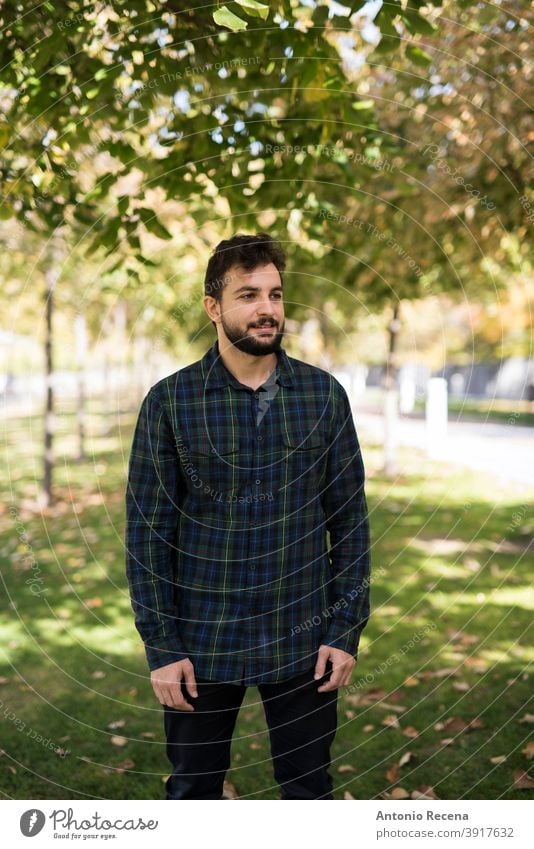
[505, 450]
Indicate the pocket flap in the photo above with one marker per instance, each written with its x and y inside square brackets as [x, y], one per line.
[299, 439]
[213, 445]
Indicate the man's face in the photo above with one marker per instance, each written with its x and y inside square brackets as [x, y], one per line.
[251, 309]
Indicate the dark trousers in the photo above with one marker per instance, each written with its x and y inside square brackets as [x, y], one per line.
[302, 725]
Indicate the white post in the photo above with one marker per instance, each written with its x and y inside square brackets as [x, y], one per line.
[436, 416]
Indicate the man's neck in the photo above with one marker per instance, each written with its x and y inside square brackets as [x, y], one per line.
[248, 369]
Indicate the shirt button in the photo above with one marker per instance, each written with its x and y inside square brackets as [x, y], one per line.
[256, 395]
[252, 567]
[260, 438]
[258, 481]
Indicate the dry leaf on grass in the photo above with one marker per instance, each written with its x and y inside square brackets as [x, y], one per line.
[411, 732]
[456, 723]
[393, 773]
[399, 793]
[527, 718]
[119, 723]
[347, 795]
[346, 768]
[425, 791]
[498, 759]
[229, 791]
[391, 721]
[411, 681]
[522, 780]
[528, 751]
[119, 741]
[405, 758]
[388, 706]
[124, 765]
[368, 728]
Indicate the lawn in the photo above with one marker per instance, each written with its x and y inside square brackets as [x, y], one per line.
[439, 697]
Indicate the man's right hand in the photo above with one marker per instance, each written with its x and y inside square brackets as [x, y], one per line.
[167, 684]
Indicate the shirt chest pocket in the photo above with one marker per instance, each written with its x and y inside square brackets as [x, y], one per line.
[211, 466]
[304, 459]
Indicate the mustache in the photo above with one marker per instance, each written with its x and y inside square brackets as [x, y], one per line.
[265, 324]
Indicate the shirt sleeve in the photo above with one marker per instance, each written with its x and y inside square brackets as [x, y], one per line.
[348, 525]
[151, 517]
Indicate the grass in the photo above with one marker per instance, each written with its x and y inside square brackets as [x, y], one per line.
[447, 643]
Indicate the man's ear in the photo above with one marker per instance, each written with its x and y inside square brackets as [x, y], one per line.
[210, 305]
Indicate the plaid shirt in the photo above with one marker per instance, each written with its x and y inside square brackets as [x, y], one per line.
[247, 545]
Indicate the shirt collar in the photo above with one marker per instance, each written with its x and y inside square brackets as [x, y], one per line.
[215, 373]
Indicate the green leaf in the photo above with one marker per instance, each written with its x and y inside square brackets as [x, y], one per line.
[225, 18]
[363, 105]
[418, 56]
[417, 24]
[252, 7]
[152, 224]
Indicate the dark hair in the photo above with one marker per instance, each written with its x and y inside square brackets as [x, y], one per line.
[247, 252]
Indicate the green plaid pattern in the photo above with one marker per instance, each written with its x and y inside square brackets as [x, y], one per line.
[247, 546]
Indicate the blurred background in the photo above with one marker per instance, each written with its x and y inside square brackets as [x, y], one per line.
[385, 145]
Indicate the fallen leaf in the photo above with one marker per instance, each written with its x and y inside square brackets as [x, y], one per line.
[124, 765]
[456, 723]
[522, 780]
[229, 791]
[411, 732]
[528, 717]
[498, 759]
[346, 768]
[347, 795]
[255, 746]
[411, 681]
[391, 721]
[393, 773]
[61, 752]
[528, 751]
[368, 728]
[94, 602]
[98, 674]
[119, 741]
[461, 686]
[350, 714]
[405, 758]
[425, 791]
[119, 723]
[354, 700]
[375, 694]
[399, 793]
[148, 734]
[387, 706]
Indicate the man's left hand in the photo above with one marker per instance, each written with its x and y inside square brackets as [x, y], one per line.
[342, 666]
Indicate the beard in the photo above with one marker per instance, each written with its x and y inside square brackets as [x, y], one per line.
[256, 345]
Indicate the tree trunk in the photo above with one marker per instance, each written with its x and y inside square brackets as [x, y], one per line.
[51, 278]
[80, 327]
[391, 398]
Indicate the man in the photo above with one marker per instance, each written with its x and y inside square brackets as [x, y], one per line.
[240, 465]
